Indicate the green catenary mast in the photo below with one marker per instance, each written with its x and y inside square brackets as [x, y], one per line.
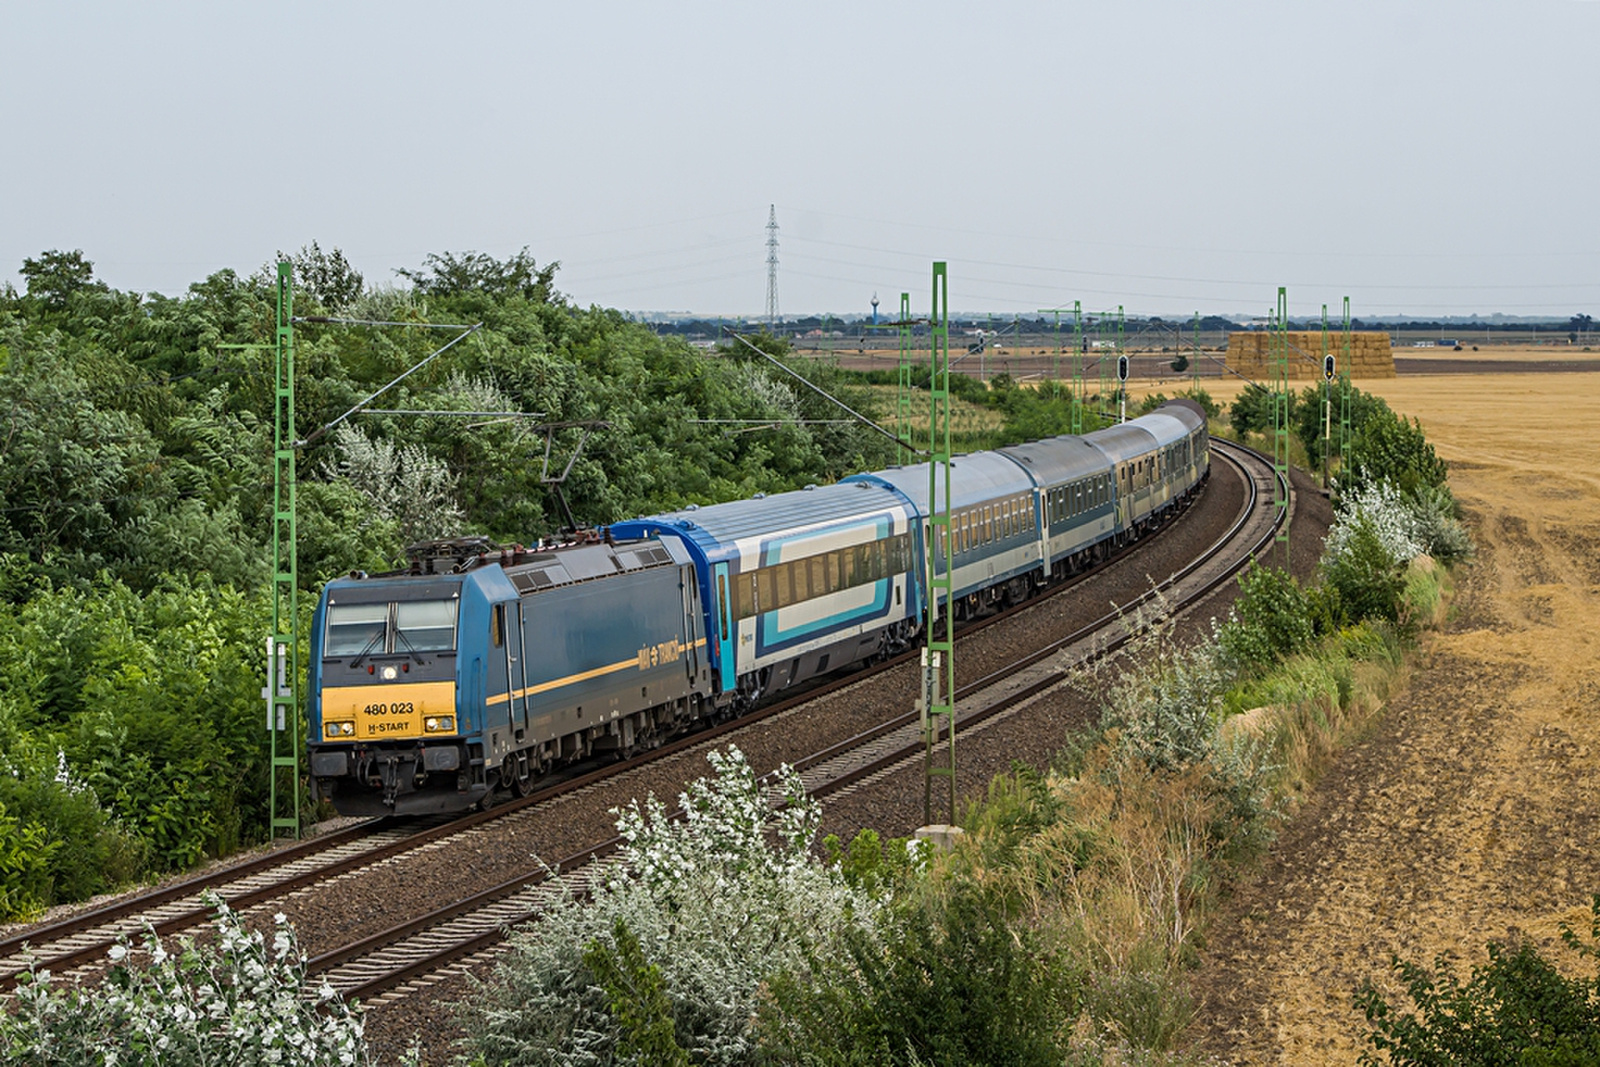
[939, 675]
[1344, 391]
[283, 647]
[903, 449]
[1280, 419]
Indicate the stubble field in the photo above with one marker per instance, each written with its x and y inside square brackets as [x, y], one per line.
[1470, 811]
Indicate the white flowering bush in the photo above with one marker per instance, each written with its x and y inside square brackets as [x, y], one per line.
[1163, 697]
[720, 900]
[240, 1000]
[403, 483]
[1392, 519]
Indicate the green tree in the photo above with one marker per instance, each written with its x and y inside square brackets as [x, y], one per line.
[1272, 618]
[1364, 575]
[1309, 412]
[1252, 410]
[447, 273]
[56, 275]
[638, 998]
[1390, 448]
[326, 277]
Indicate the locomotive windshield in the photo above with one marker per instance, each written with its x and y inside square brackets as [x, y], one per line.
[425, 625]
[396, 626]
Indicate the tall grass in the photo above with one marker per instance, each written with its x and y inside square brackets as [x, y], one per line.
[1117, 858]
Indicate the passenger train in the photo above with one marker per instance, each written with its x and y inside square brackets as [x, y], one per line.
[478, 670]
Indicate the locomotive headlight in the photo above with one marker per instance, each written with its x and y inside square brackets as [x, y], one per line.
[390, 674]
[438, 724]
[339, 729]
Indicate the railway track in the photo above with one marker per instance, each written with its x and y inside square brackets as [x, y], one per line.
[394, 964]
[382, 965]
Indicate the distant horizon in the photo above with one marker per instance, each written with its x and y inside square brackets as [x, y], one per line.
[1000, 318]
[1168, 319]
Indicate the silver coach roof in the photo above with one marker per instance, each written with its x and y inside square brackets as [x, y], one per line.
[1123, 442]
[723, 524]
[1058, 460]
[1163, 427]
[974, 478]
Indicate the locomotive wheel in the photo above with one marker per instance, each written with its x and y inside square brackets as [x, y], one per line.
[518, 775]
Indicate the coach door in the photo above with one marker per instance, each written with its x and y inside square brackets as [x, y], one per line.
[722, 618]
[516, 668]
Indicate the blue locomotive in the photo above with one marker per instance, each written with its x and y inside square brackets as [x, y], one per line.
[480, 669]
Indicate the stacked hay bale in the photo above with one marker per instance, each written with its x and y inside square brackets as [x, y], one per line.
[1251, 354]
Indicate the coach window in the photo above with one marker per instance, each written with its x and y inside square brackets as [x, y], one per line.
[988, 524]
[722, 603]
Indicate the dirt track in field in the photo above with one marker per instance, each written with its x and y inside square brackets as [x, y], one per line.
[1470, 812]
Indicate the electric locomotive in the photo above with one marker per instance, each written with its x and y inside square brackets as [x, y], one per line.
[479, 670]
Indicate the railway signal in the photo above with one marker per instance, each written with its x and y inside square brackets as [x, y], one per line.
[1327, 367]
[1122, 389]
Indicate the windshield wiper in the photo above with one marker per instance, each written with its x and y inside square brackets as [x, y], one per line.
[401, 634]
[368, 646]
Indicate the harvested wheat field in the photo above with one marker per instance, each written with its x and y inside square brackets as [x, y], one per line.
[1469, 812]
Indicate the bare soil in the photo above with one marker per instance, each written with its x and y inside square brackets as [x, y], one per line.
[1469, 813]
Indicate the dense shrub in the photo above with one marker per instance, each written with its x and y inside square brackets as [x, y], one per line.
[1253, 410]
[1515, 1009]
[132, 727]
[72, 847]
[1272, 618]
[1391, 449]
[951, 976]
[25, 852]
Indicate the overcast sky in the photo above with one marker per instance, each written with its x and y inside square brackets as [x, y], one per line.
[1419, 156]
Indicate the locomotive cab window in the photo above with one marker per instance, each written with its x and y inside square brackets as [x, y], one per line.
[425, 626]
[356, 628]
